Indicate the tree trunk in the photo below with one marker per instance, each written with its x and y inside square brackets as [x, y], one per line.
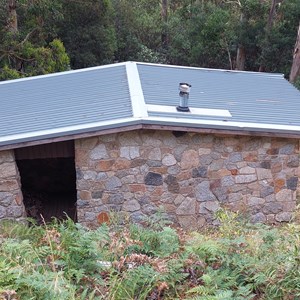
[295, 71]
[164, 16]
[240, 58]
[241, 52]
[12, 21]
[271, 15]
[268, 29]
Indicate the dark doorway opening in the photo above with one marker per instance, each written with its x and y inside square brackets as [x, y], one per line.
[48, 181]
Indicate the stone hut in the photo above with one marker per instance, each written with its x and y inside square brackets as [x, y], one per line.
[128, 137]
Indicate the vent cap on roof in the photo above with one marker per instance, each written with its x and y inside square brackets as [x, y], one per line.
[184, 92]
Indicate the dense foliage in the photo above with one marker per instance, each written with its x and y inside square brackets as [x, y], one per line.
[236, 261]
[43, 36]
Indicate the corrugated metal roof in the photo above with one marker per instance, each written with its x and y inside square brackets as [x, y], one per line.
[67, 99]
[250, 97]
[117, 95]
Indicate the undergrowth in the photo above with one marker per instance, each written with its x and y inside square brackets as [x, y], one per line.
[153, 261]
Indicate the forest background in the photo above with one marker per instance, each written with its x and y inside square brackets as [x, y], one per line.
[45, 36]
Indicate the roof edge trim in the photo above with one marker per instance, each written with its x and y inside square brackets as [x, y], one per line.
[138, 103]
[63, 73]
[76, 129]
[281, 75]
[226, 125]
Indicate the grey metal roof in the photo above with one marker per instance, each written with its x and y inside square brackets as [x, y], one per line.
[123, 94]
[250, 97]
[62, 100]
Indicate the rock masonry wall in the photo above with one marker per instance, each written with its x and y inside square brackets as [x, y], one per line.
[191, 175]
[11, 199]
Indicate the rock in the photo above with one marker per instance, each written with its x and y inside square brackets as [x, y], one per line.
[153, 179]
[187, 207]
[6, 156]
[178, 200]
[263, 173]
[2, 212]
[128, 179]
[266, 191]
[234, 197]
[293, 161]
[245, 178]
[149, 209]
[211, 206]
[221, 193]
[116, 199]
[9, 185]
[227, 181]
[284, 195]
[5, 199]
[247, 170]
[173, 186]
[99, 152]
[85, 195]
[287, 149]
[89, 216]
[216, 165]
[15, 211]
[174, 170]
[137, 217]
[89, 175]
[235, 157]
[253, 201]
[97, 194]
[179, 149]
[292, 183]
[169, 160]
[155, 154]
[131, 205]
[283, 217]
[188, 222]
[154, 163]
[8, 170]
[265, 165]
[205, 160]
[113, 183]
[258, 218]
[203, 192]
[189, 159]
[82, 203]
[272, 208]
[199, 172]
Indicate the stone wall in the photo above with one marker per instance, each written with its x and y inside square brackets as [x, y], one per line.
[11, 199]
[191, 175]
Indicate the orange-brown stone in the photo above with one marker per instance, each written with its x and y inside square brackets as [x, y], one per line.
[121, 164]
[85, 195]
[104, 165]
[137, 188]
[160, 170]
[279, 184]
[234, 171]
[252, 156]
[158, 191]
[19, 199]
[103, 217]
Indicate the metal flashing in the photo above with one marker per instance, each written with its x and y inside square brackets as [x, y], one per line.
[135, 90]
[194, 111]
[70, 130]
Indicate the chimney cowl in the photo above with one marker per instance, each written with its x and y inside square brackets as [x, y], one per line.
[184, 91]
[184, 87]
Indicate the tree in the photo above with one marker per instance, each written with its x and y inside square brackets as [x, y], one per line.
[87, 31]
[26, 46]
[295, 70]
